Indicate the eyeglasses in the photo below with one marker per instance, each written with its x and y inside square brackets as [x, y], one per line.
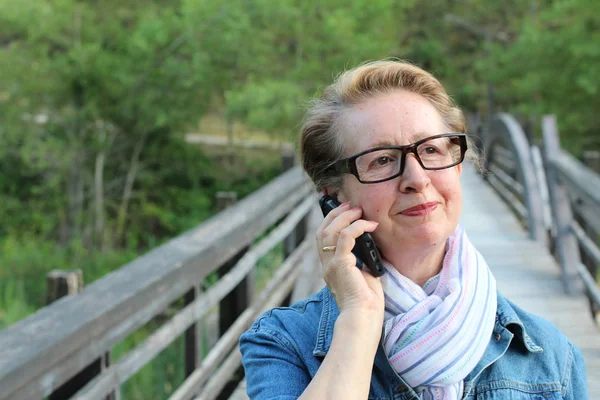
[387, 162]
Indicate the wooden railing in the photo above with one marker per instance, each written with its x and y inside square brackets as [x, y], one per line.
[556, 197]
[63, 350]
[575, 200]
[511, 170]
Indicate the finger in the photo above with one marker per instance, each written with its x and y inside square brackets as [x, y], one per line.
[330, 217]
[343, 258]
[333, 214]
[344, 218]
[348, 235]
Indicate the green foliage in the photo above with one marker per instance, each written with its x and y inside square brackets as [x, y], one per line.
[271, 106]
[26, 261]
[108, 81]
[269, 60]
[13, 303]
[553, 67]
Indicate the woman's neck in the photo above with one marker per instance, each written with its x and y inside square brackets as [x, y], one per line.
[418, 265]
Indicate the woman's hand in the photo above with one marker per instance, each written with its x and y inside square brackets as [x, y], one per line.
[346, 370]
[355, 291]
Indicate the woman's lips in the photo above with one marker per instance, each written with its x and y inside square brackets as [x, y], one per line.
[421, 209]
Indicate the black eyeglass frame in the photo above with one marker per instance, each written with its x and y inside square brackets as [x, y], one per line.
[348, 165]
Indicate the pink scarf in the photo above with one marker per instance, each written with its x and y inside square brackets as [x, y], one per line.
[435, 335]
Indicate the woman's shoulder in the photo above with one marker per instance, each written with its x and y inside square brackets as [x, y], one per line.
[532, 356]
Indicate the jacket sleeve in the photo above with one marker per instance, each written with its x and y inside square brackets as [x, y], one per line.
[274, 370]
[574, 384]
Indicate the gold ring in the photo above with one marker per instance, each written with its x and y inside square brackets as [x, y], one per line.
[328, 248]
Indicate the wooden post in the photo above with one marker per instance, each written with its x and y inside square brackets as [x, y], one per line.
[288, 159]
[290, 242]
[192, 336]
[225, 199]
[538, 163]
[61, 283]
[591, 159]
[566, 243]
[241, 297]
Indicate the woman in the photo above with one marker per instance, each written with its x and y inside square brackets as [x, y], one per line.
[387, 141]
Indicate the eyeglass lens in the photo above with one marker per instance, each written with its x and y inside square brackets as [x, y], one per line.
[437, 153]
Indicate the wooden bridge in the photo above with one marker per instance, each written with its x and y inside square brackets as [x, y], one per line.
[535, 216]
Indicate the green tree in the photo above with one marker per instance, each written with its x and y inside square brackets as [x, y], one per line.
[86, 88]
[271, 59]
[552, 67]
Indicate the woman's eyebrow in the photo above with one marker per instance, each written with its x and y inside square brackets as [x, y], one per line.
[421, 135]
[388, 142]
[381, 143]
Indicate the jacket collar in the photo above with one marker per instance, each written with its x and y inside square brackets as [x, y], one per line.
[506, 318]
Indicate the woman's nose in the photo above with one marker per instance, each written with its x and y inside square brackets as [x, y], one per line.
[414, 178]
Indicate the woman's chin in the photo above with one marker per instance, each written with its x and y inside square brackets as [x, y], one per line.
[427, 233]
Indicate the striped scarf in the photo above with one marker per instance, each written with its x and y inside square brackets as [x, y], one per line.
[434, 335]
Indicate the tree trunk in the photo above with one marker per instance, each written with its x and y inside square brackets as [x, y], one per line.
[128, 189]
[99, 200]
[100, 218]
[75, 189]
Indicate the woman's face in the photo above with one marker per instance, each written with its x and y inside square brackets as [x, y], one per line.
[420, 208]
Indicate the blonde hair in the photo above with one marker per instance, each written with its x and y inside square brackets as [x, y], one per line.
[320, 143]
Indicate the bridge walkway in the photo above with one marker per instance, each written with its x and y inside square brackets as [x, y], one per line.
[525, 271]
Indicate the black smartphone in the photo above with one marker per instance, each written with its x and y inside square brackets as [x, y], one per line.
[365, 250]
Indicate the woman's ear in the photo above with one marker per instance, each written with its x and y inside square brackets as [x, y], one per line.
[336, 194]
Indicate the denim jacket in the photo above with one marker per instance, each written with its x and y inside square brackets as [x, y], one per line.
[527, 357]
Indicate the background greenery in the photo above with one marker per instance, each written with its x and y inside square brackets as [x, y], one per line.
[96, 98]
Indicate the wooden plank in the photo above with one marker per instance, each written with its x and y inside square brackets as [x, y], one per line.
[588, 245]
[510, 198]
[503, 152]
[503, 158]
[42, 351]
[586, 211]
[538, 163]
[510, 184]
[590, 283]
[577, 177]
[240, 392]
[218, 381]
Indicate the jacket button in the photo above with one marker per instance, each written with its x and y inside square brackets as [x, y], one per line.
[498, 337]
[401, 389]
